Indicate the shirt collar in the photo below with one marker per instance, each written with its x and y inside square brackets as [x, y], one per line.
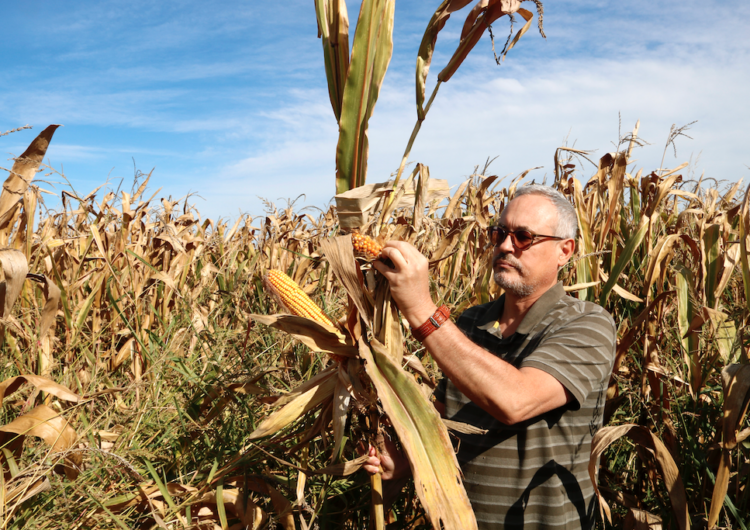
[489, 321]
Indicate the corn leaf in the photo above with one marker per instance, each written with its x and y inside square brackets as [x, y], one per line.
[12, 384]
[649, 441]
[371, 53]
[21, 175]
[710, 246]
[333, 29]
[744, 233]
[15, 269]
[477, 21]
[736, 384]
[51, 427]
[315, 335]
[296, 408]
[425, 439]
[427, 46]
[625, 258]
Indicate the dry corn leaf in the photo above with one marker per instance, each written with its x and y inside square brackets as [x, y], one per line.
[479, 18]
[423, 435]
[20, 490]
[12, 384]
[651, 443]
[342, 469]
[21, 175]
[52, 295]
[427, 47]
[50, 426]
[295, 409]
[313, 382]
[641, 520]
[341, 398]
[15, 268]
[464, 428]
[340, 255]
[315, 335]
[736, 384]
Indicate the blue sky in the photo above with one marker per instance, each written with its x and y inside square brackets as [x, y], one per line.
[227, 99]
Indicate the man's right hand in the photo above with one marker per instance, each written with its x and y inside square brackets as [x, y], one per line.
[391, 462]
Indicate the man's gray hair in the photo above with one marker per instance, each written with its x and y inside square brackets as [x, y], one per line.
[567, 220]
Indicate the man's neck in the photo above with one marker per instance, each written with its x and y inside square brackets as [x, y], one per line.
[516, 307]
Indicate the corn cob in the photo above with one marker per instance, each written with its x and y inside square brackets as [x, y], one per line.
[293, 298]
[365, 246]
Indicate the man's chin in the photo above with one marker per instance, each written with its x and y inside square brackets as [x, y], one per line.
[514, 285]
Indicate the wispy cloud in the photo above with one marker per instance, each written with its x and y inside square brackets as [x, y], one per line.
[230, 100]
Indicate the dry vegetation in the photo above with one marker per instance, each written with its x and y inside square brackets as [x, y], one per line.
[134, 375]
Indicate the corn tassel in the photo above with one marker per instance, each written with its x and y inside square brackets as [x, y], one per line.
[293, 298]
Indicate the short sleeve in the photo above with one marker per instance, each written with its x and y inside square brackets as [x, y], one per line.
[579, 353]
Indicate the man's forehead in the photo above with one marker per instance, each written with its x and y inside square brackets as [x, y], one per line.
[517, 215]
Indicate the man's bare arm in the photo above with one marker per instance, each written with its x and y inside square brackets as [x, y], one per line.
[509, 394]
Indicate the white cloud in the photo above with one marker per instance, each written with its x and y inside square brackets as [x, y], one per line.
[230, 100]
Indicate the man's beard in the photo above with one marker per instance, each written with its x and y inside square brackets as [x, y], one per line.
[516, 286]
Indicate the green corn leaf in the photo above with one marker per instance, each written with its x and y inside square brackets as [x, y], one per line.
[371, 53]
[427, 47]
[744, 225]
[711, 252]
[333, 28]
[625, 257]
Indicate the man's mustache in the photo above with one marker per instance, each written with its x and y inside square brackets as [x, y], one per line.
[508, 258]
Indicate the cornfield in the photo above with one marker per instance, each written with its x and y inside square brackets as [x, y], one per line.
[153, 376]
[134, 374]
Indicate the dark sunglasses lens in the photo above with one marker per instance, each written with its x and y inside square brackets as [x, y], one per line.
[497, 235]
[523, 238]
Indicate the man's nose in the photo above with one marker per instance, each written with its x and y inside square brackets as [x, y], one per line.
[506, 245]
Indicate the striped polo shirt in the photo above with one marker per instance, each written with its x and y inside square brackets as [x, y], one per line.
[534, 474]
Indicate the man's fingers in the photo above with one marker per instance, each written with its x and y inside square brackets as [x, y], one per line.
[372, 465]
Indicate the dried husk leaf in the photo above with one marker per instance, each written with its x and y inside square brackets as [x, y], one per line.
[355, 207]
[315, 335]
[437, 477]
[296, 408]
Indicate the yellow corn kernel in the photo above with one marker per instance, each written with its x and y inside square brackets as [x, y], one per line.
[293, 298]
[365, 246]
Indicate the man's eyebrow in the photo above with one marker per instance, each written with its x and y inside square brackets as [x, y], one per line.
[519, 227]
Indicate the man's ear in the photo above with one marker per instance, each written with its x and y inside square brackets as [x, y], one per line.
[567, 248]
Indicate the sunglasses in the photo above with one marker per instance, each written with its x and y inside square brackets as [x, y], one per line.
[521, 239]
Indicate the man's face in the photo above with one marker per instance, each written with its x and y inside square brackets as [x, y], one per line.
[524, 272]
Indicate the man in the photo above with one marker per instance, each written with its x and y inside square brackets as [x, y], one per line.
[531, 368]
